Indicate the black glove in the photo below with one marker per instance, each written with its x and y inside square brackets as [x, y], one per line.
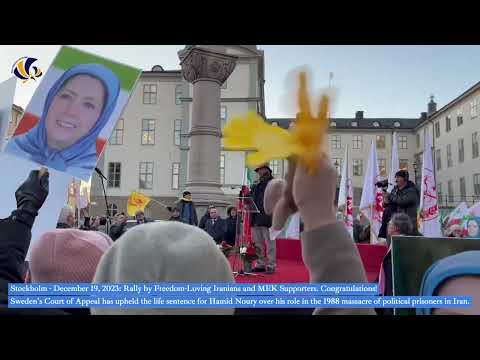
[32, 193]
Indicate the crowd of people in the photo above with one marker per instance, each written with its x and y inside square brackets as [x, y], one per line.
[181, 251]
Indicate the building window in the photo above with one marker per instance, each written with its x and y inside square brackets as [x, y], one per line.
[146, 175]
[459, 118]
[117, 135]
[336, 142]
[357, 142]
[222, 169]
[148, 132]
[439, 193]
[474, 145]
[333, 123]
[437, 129]
[223, 113]
[403, 163]
[178, 94]
[382, 166]
[112, 209]
[461, 151]
[448, 124]
[450, 191]
[114, 174]
[380, 141]
[418, 140]
[449, 156]
[177, 131]
[337, 162]
[358, 167]
[473, 108]
[476, 184]
[463, 190]
[402, 142]
[438, 159]
[275, 166]
[376, 124]
[175, 175]
[149, 94]
[354, 124]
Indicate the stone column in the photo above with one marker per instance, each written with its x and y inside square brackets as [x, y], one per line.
[207, 71]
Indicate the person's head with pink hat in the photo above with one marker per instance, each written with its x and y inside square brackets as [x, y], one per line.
[67, 255]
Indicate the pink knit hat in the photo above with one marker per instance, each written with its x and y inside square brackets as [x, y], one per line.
[67, 255]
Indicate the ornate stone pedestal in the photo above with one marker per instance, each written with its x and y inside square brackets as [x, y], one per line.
[207, 71]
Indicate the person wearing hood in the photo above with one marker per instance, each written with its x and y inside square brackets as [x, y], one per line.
[77, 107]
[186, 207]
[15, 236]
[404, 198]
[261, 223]
[455, 275]
[67, 256]
[164, 252]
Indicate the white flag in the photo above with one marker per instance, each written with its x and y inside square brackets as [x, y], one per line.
[475, 210]
[395, 164]
[345, 195]
[372, 199]
[430, 215]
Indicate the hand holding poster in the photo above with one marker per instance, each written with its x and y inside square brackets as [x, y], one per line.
[73, 111]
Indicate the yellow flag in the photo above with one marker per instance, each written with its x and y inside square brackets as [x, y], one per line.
[136, 202]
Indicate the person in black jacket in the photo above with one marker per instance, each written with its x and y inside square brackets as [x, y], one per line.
[205, 217]
[231, 233]
[118, 227]
[404, 198]
[216, 226]
[15, 236]
[261, 224]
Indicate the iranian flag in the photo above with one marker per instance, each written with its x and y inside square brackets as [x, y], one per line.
[372, 199]
[345, 196]
[429, 224]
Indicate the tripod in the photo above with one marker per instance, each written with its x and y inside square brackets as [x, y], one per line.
[245, 208]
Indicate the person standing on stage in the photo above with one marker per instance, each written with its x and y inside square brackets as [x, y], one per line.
[187, 210]
[261, 222]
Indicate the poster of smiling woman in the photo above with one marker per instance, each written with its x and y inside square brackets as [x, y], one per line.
[73, 112]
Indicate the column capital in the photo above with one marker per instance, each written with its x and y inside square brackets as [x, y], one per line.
[202, 64]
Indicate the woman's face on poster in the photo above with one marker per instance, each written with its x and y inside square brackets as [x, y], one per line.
[461, 286]
[74, 111]
[473, 228]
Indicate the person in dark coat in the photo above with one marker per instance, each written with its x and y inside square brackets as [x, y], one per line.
[216, 227]
[231, 233]
[399, 225]
[405, 197]
[140, 217]
[119, 226]
[15, 236]
[187, 210]
[205, 217]
[261, 223]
